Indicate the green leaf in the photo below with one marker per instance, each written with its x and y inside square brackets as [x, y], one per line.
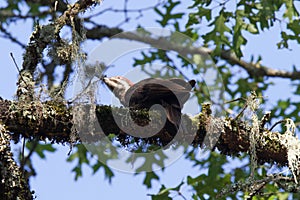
[108, 173]
[154, 159]
[290, 11]
[196, 18]
[284, 42]
[284, 104]
[295, 27]
[167, 14]
[79, 154]
[40, 149]
[217, 35]
[78, 172]
[238, 39]
[251, 28]
[34, 9]
[149, 177]
[194, 181]
[263, 22]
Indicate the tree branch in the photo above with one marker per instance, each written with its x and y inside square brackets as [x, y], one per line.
[253, 69]
[8, 35]
[43, 35]
[54, 121]
[40, 39]
[258, 70]
[13, 184]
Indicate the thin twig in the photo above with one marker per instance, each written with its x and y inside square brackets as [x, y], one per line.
[14, 60]
[238, 99]
[23, 154]
[138, 10]
[24, 161]
[19, 71]
[244, 108]
[281, 121]
[8, 35]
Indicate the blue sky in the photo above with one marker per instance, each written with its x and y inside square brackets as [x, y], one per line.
[54, 178]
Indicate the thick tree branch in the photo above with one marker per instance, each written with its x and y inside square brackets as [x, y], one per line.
[253, 69]
[40, 39]
[43, 35]
[55, 121]
[254, 186]
[101, 32]
[258, 70]
[13, 184]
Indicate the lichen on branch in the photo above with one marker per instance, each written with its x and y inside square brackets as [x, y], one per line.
[53, 121]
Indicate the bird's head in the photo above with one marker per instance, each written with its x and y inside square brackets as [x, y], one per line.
[119, 86]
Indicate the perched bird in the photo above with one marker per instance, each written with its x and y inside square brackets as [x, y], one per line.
[171, 94]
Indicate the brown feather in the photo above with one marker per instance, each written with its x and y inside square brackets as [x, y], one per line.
[171, 94]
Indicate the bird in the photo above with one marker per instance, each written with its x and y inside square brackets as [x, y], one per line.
[171, 94]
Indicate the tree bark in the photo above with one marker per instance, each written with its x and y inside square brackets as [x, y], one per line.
[54, 121]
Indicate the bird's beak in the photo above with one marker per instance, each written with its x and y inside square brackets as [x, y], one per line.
[110, 82]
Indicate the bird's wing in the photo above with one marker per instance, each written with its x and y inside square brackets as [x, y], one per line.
[173, 113]
[153, 89]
